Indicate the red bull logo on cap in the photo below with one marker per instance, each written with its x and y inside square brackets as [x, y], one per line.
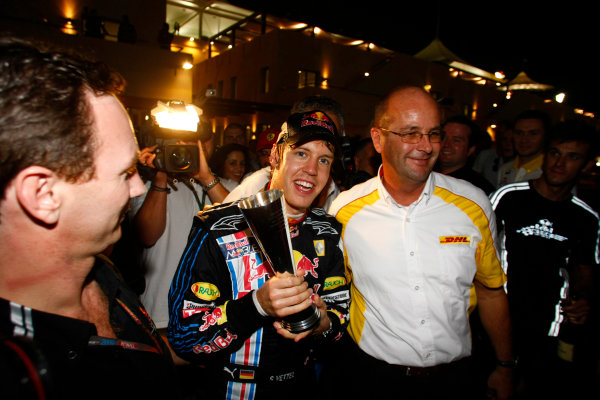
[317, 118]
[318, 115]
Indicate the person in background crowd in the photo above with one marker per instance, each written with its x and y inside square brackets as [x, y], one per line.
[94, 25]
[366, 162]
[127, 32]
[488, 161]
[229, 163]
[235, 133]
[549, 252]
[416, 242]
[164, 37]
[461, 138]
[67, 173]
[226, 304]
[529, 136]
[264, 144]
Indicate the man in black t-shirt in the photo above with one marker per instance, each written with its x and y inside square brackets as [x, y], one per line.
[549, 249]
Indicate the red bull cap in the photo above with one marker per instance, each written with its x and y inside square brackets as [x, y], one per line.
[307, 126]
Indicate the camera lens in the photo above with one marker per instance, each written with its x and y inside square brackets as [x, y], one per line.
[180, 158]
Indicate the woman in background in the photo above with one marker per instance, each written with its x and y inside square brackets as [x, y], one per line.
[229, 163]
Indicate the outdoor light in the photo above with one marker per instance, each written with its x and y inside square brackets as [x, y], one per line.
[177, 115]
[560, 97]
[69, 28]
[187, 65]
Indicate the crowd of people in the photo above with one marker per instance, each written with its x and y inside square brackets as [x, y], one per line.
[432, 265]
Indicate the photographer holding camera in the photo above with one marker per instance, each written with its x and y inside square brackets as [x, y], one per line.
[162, 219]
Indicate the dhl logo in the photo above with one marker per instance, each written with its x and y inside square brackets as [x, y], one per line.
[205, 291]
[455, 239]
[333, 282]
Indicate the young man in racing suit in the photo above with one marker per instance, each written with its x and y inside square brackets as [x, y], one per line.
[226, 308]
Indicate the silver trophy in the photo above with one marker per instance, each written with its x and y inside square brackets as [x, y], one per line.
[266, 217]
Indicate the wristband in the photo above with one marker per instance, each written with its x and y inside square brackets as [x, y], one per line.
[507, 364]
[212, 184]
[260, 310]
[328, 332]
[159, 189]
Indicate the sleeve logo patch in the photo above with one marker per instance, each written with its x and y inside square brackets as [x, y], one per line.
[205, 291]
[455, 239]
[217, 316]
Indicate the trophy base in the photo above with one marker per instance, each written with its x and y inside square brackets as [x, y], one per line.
[302, 321]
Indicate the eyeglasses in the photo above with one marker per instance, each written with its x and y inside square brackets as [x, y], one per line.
[414, 137]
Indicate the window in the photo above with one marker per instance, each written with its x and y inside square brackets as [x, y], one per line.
[264, 80]
[220, 89]
[306, 78]
[233, 84]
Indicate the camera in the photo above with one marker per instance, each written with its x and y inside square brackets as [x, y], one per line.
[176, 151]
[175, 130]
[177, 158]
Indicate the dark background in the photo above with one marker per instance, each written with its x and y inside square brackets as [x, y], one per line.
[555, 45]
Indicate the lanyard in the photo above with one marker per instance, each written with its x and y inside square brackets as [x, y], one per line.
[190, 185]
[127, 345]
[200, 204]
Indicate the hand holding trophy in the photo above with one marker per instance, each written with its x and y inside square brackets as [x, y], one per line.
[266, 217]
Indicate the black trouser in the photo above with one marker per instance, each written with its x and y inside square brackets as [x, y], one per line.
[541, 374]
[353, 374]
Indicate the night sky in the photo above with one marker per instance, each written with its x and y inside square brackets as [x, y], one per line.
[553, 45]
